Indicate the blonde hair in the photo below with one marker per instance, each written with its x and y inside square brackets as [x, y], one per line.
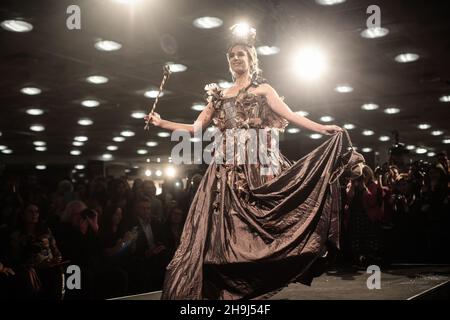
[252, 55]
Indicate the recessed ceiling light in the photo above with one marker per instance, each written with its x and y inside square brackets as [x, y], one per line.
[158, 173]
[424, 126]
[141, 151]
[343, 88]
[112, 148]
[127, 133]
[97, 79]
[153, 94]
[152, 144]
[349, 126]
[376, 32]
[391, 110]
[39, 143]
[446, 141]
[293, 130]
[85, 122]
[78, 143]
[81, 138]
[421, 150]
[107, 156]
[79, 166]
[267, 50]
[369, 106]
[16, 26]
[107, 45]
[437, 132]
[176, 67]
[35, 112]
[41, 149]
[302, 113]
[225, 84]
[329, 2]
[198, 107]
[118, 139]
[41, 167]
[163, 134]
[138, 114]
[31, 91]
[75, 152]
[410, 147]
[90, 103]
[37, 127]
[315, 136]
[7, 151]
[368, 132]
[384, 138]
[444, 99]
[3, 147]
[431, 154]
[326, 119]
[406, 57]
[366, 150]
[207, 22]
[148, 173]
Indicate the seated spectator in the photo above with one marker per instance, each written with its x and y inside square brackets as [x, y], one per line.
[34, 251]
[117, 246]
[176, 223]
[152, 252]
[157, 210]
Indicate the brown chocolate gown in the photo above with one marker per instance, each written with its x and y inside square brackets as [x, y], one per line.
[249, 235]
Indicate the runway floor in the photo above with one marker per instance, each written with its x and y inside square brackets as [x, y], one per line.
[398, 282]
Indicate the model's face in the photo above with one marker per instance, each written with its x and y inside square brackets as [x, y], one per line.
[238, 60]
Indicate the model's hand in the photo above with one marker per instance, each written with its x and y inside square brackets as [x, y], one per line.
[330, 129]
[153, 118]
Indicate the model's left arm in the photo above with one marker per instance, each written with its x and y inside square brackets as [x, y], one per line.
[284, 111]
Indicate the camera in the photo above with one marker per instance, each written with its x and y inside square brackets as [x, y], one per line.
[88, 214]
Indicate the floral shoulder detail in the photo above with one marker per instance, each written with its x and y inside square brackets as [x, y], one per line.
[213, 92]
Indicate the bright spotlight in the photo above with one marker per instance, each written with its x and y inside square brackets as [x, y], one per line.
[170, 172]
[310, 63]
[126, 1]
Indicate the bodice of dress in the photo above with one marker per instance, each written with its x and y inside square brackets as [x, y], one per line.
[244, 111]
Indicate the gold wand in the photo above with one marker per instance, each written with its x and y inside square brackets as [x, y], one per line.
[167, 72]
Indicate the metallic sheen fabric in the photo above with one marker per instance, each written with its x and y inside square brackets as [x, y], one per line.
[249, 235]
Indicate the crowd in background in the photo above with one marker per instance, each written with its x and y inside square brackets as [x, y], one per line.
[122, 235]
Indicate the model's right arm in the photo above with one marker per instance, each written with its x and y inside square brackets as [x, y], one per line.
[203, 119]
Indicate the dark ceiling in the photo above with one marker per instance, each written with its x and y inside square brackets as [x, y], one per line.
[58, 60]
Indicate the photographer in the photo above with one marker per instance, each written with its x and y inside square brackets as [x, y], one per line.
[364, 213]
[81, 245]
